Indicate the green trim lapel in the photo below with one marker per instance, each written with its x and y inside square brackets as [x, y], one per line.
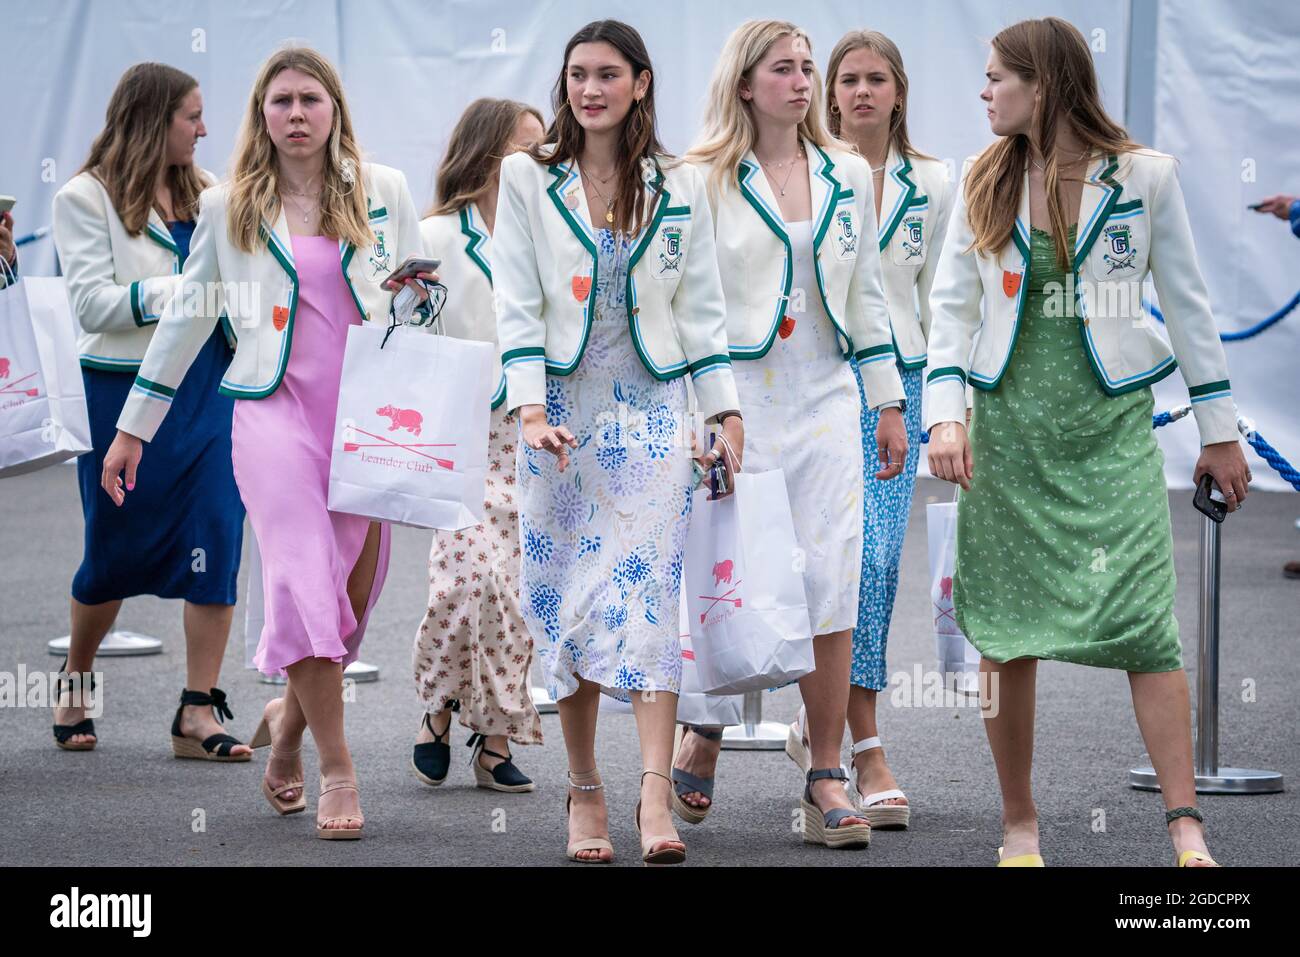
[564, 175]
[476, 239]
[744, 173]
[898, 174]
[821, 182]
[285, 259]
[1104, 183]
[648, 234]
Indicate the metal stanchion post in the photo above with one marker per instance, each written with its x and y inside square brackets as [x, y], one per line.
[543, 701]
[754, 734]
[116, 644]
[1210, 778]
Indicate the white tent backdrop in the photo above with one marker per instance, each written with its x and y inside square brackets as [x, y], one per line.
[410, 66]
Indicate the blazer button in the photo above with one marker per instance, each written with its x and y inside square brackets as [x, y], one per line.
[636, 310]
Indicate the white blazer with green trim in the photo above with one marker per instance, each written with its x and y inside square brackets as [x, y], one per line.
[915, 205]
[544, 265]
[259, 290]
[758, 269]
[117, 283]
[1132, 221]
[462, 242]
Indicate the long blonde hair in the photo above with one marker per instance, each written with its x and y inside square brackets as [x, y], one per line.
[1054, 54]
[479, 143]
[129, 155]
[887, 50]
[729, 131]
[255, 174]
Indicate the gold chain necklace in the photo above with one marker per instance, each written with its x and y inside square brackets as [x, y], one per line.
[609, 203]
[791, 164]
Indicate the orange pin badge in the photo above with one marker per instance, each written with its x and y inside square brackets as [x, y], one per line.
[786, 328]
[1010, 283]
[581, 287]
[279, 318]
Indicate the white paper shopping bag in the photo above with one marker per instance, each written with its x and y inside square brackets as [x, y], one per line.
[43, 418]
[411, 431]
[744, 588]
[694, 706]
[959, 661]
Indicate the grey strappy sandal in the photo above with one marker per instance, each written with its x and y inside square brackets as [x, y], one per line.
[686, 783]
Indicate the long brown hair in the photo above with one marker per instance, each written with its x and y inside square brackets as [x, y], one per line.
[887, 50]
[479, 143]
[640, 139]
[1052, 53]
[255, 174]
[130, 153]
[729, 131]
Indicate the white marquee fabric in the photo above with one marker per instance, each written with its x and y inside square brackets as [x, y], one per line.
[1223, 88]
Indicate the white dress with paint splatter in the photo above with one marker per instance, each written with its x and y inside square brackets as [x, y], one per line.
[803, 415]
[603, 541]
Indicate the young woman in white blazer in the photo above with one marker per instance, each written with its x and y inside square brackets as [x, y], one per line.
[1063, 541]
[795, 225]
[296, 247]
[608, 302]
[472, 649]
[122, 228]
[866, 104]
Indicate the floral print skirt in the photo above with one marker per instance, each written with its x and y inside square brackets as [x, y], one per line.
[603, 541]
[472, 646]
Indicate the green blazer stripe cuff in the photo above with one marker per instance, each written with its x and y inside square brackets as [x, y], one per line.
[947, 372]
[137, 305]
[518, 355]
[155, 390]
[1207, 388]
[701, 364]
[862, 355]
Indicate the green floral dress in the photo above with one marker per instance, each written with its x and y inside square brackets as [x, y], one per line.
[1064, 548]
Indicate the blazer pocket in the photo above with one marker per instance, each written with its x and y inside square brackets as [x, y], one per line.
[911, 239]
[844, 234]
[1122, 246]
[667, 252]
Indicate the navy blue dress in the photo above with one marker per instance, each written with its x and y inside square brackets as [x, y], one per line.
[180, 530]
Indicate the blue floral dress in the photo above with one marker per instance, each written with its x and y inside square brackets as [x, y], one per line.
[603, 541]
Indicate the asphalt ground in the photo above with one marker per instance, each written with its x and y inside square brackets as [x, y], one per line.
[130, 802]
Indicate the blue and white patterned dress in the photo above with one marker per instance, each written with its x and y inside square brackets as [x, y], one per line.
[603, 541]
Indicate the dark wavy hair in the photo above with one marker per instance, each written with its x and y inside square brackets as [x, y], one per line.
[640, 139]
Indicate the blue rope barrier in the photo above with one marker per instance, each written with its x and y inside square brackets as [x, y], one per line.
[1254, 330]
[32, 237]
[1274, 458]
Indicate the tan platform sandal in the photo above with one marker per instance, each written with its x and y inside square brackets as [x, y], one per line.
[327, 833]
[654, 851]
[215, 747]
[685, 783]
[275, 796]
[586, 843]
[827, 827]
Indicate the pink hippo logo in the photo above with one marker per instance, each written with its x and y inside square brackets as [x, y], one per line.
[4, 368]
[408, 419]
[722, 572]
[945, 588]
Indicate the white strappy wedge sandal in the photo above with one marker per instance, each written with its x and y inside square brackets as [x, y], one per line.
[885, 817]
